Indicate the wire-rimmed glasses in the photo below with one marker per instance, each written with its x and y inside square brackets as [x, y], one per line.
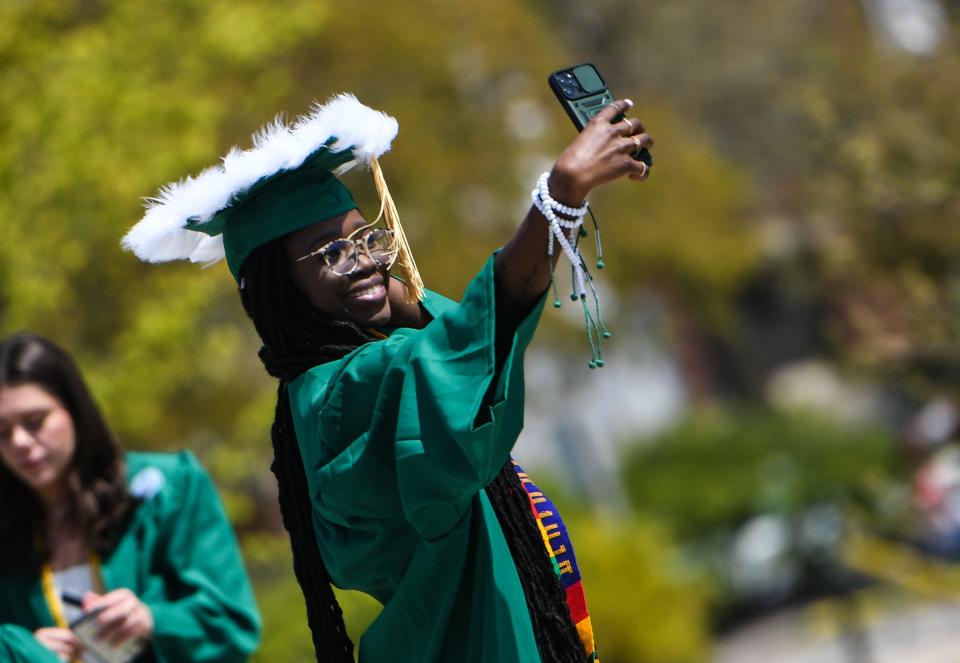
[342, 255]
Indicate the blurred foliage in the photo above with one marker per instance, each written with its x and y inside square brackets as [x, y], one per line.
[102, 102]
[736, 464]
[647, 602]
[853, 155]
[793, 155]
[762, 501]
[644, 605]
[286, 636]
[670, 602]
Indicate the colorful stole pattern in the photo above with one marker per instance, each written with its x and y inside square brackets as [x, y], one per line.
[557, 543]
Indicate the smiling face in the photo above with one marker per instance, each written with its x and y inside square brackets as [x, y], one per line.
[37, 438]
[360, 297]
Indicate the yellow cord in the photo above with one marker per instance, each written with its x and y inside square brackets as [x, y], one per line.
[50, 594]
[405, 262]
[54, 603]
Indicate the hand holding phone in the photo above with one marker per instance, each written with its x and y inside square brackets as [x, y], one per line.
[87, 631]
[583, 93]
[61, 641]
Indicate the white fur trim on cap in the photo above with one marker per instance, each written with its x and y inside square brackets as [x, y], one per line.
[161, 235]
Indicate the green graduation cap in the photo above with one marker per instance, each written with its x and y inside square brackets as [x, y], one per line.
[288, 180]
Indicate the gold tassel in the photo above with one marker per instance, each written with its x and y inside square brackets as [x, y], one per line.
[405, 263]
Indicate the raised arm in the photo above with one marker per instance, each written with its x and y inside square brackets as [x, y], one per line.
[601, 153]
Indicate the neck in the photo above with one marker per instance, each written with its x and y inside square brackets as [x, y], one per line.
[404, 313]
[53, 497]
[66, 542]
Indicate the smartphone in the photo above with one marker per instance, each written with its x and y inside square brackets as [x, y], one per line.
[582, 92]
[85, 628]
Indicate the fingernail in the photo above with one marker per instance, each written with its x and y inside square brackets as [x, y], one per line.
[629, 103]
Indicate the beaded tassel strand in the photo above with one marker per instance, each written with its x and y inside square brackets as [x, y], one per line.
[598, 244]
[596, 238]
[565, 231]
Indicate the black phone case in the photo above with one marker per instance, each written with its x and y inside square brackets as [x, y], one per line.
[582, 109]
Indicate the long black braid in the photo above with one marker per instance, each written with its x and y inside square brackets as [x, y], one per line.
[296, 337]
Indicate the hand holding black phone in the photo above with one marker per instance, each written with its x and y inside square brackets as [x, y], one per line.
[582, 92]
[86, 629]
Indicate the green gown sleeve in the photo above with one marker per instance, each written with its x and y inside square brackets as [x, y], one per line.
[391, 430]
[206, 610]
[17, 645]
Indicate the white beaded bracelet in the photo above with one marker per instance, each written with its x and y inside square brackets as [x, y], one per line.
[543, 188]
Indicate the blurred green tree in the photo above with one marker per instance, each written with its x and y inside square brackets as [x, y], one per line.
[852, 157]
[736, 464]
[646, 607]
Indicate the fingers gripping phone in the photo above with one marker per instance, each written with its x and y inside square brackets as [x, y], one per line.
[86, 629]
[583, 93]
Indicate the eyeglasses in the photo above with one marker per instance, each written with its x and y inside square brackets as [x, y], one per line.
[342, 255]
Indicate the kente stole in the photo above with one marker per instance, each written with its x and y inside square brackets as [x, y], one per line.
[557, 543]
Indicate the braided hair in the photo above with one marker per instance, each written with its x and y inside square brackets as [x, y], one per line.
[297, 337]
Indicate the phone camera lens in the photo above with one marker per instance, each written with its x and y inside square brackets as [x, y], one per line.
[569, 85]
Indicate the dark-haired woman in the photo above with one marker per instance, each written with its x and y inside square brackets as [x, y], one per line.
[139, 537]
[397, 408]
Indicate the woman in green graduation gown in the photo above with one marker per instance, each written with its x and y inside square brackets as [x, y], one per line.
[139, 538]
[398, 408]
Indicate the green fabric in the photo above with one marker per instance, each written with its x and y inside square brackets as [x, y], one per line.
[17, 645]
[396, 468]
[179, 555]
[280, 204]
